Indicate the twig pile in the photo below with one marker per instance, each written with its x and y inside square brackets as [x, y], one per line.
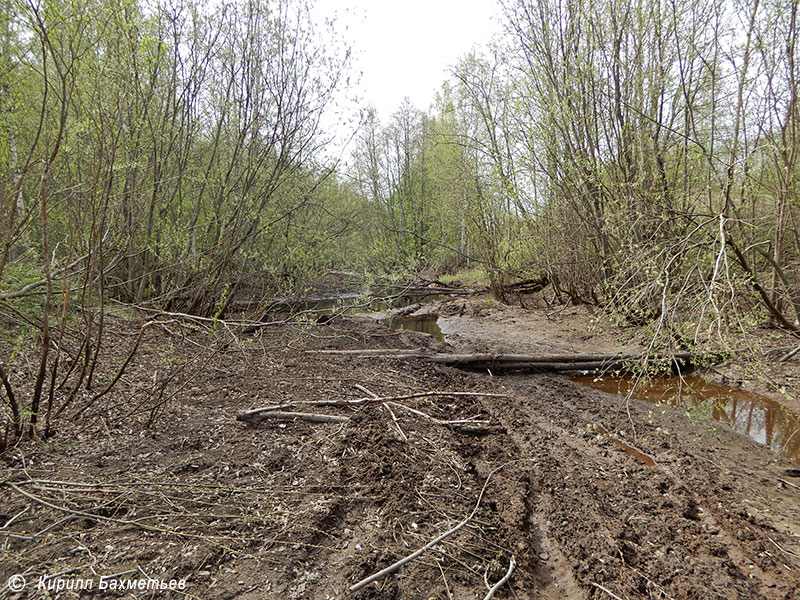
[278, 411]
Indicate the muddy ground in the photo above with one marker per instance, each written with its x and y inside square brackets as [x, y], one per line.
[158, 479]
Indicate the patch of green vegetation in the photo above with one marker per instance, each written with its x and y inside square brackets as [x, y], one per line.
[220, 306]
[476, 277]
[17, 275]
[15, 334]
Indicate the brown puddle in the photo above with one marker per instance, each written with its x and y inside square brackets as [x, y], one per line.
[425, 324]
[764, 420]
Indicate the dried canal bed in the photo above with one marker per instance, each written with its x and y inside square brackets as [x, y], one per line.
[293, 509]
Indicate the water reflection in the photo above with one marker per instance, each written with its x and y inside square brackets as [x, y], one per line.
[425, 324]
[764, 420]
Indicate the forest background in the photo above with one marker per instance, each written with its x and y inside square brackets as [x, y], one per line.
[641, 157]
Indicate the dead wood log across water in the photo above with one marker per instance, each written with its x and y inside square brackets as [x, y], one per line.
[552, 363]
[421, 291]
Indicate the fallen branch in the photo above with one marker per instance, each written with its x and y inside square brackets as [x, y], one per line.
[502, 582]
[33, 537]
[390, 352]
[396, 423]
[783, 481]
[256, 416]
[789, 355]
[784, 550]
[419, 413]
[505, 358]
[544, 363]
[367, 391]
[528, 286]
[546, 360]
[374, 398]
[341, 403]
[433, 290]
[429, 394]
[40, 282]
[210, 320]
[543, 367]
[403, 561]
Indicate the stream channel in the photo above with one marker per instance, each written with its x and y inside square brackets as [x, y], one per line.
[766, 421]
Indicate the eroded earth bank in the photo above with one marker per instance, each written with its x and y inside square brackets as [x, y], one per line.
[593, 495]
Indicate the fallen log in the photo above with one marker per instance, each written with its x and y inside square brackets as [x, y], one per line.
[374, 398]
[417, 291]
[541, 363]
[528, 286]
[277, 411]
[577, 362]
[500, 359]
[544, 367]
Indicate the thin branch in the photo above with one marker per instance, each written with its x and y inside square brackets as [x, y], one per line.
[12, 400]
[607, 591]
[502, 582]
[396, 423]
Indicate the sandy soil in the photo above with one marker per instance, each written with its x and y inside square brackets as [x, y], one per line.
[479, 324]
[159, 478]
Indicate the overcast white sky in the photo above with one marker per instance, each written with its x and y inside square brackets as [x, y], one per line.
[403, 48]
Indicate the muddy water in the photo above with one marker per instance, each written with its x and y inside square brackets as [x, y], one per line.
[425, 324]
[763, 419]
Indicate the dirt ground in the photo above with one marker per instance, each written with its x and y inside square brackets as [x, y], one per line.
[594, 496]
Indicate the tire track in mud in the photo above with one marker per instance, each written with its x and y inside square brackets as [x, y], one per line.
[600, 517]
[551, 572]
[543, 572]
